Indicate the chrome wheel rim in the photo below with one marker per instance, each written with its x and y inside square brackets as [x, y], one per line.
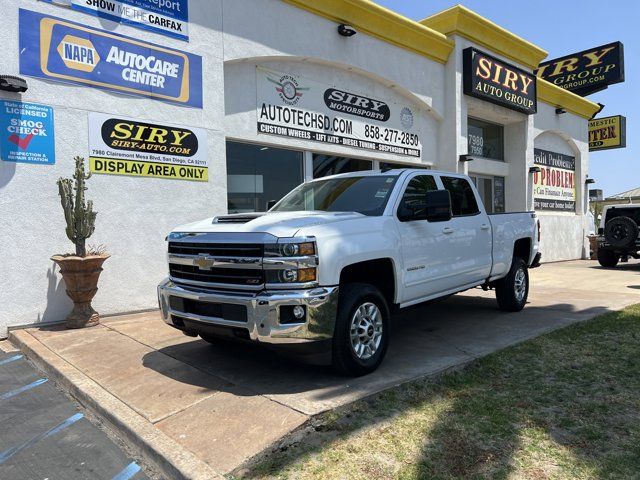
[366, 330]
[520, 284]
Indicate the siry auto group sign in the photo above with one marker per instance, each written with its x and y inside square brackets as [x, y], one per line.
[495, 81]
[588, 71]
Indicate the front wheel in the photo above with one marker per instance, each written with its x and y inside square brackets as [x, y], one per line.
[512, 291]
[361, 335]
[607, 258]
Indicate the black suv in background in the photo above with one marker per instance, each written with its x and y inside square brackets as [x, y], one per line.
[618, 235]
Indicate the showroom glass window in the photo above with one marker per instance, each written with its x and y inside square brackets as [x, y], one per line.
[463, 200]
[485, 139]
[324, 165]
[491, 190]
[257, 174]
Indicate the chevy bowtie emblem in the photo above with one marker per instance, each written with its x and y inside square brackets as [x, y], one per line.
[204, 262]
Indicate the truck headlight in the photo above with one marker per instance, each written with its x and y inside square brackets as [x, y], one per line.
[292, 275]
[292, 249]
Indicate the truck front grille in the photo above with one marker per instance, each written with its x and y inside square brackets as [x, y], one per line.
[217, 249]
[231, 276]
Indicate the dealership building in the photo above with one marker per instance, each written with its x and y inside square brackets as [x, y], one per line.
[200, 108]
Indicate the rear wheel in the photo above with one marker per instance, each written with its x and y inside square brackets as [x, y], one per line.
[621, 232]
[607, 258]
[512, 291]
[361, 335]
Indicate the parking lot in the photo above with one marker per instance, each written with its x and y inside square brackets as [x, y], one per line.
[226, 403]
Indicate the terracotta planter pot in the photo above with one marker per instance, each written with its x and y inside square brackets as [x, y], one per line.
[81, 277]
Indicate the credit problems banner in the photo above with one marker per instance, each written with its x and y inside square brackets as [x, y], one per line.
[56, 49]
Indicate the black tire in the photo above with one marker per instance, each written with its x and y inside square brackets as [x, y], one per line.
[352, 297]
[607, 258]
[621, 232]
[509, 290]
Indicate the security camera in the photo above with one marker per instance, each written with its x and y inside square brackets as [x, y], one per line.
[9, 83]
[346, 30]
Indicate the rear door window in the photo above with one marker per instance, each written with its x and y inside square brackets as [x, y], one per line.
[633, 213]
[463, 200]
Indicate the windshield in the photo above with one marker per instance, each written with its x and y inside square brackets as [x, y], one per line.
[366, 195]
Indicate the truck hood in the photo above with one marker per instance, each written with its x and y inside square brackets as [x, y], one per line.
[279, 224]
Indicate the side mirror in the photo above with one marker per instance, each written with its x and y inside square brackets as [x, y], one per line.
[438, 206]
[271, 203]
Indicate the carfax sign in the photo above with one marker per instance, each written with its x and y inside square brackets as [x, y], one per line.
[56, 49]
[607, 132]
[167, 17]
[125, 146]
[554, 187]
[490, 79]
[297, 107]
[26, 133]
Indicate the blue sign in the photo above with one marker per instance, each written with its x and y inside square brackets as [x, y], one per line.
[167, 17]
[56, 49]
[26, 133]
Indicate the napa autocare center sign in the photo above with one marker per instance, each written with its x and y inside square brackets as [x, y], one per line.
[126, 146]
[554, 187]
[296, 107]
[167, 17]
[55, 49]
[26, 133]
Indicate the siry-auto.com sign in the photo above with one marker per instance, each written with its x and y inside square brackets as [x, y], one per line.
[587, 71]
[495, 81]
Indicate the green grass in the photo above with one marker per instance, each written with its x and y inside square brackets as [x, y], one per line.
[563, 406]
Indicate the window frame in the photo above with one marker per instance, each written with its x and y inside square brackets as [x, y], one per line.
[404, 190]
[473, 191]
[503, 159]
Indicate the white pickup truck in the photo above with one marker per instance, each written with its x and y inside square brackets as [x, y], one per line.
[319, 273]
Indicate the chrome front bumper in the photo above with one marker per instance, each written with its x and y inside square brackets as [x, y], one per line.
[263, 312]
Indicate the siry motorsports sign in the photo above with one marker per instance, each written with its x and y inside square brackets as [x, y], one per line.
[293, 106]
[498, 82]
[607, 132]
[588, 71]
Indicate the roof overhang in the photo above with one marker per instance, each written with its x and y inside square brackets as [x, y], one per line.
[461, 21]
[379, 22]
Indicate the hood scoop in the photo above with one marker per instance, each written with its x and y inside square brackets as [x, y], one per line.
[237, 217]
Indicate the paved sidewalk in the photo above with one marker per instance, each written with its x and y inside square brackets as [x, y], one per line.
[226, 403]
[45, 435]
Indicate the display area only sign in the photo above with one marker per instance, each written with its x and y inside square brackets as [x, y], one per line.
[490, 79]
[56, 49]
[607, 132]
[124, 146]
[167, 17]
[554, 187]
[293, 106]
[26, 133]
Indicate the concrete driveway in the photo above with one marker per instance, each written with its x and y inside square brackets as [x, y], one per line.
[226, 403]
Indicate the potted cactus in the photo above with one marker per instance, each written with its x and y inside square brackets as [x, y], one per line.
[82, 270]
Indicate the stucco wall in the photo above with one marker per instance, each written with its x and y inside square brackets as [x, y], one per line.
[134, 214]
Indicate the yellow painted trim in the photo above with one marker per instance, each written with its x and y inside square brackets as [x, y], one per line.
[372, 19]
[559, 97]
[461, 21]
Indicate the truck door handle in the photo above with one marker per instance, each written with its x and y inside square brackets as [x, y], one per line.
[447, 230]
[484, 226]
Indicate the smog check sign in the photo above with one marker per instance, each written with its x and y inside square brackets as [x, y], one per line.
[56, 49]
[26, 133]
